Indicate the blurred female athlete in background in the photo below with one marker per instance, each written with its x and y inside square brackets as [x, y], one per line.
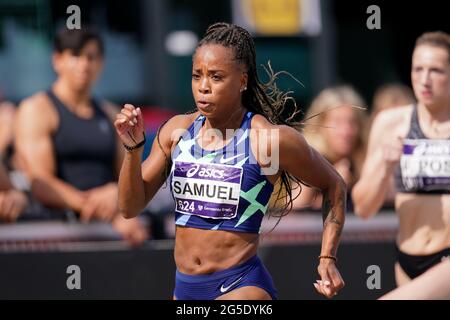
[412, 143]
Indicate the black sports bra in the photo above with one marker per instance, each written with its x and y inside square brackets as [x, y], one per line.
[425, 164]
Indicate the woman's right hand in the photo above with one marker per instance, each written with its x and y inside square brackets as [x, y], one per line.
[12, 204]
[130, 125]
[392, 153]
[132, 230]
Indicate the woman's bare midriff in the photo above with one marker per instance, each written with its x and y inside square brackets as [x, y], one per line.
[424, 226]
[199, 251]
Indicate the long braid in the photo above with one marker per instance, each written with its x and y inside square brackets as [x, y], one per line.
[265, 99]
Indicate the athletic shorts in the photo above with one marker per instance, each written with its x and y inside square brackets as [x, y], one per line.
[211, 286]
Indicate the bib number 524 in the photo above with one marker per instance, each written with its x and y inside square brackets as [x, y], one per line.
[186, 205]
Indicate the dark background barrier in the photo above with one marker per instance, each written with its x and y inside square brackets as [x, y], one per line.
[149, 273]
[109, 270]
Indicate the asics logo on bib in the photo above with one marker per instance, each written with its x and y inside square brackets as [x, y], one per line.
[205, 172]
[192, 171]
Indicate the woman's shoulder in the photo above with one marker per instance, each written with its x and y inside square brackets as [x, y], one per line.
[274, 134]
[39, 100]
[395, 119]
[39, 110]
[261, 122]
[181, 121]
[394, 115]
[176, 126]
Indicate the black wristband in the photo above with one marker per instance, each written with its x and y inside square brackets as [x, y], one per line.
[137, 146]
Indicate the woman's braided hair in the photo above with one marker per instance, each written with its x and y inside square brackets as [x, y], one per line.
[265, 99]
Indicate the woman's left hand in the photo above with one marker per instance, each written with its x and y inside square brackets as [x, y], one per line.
[331, 281]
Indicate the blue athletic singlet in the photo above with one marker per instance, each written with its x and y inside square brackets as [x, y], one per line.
[425, 164]
[222, 189]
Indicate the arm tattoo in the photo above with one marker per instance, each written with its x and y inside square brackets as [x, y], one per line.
[333, 214]
[329, 216]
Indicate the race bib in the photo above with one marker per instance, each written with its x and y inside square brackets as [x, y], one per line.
[207, 190]
[425, 164]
